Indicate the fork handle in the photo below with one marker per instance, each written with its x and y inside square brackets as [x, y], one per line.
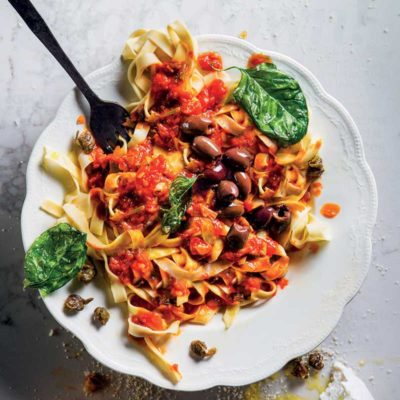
[39, 27]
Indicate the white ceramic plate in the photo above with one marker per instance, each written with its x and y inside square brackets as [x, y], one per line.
[263, 338]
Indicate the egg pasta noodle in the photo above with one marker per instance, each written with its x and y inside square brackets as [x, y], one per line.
[117, 199]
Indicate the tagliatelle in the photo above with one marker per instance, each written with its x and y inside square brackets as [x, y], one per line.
[186, 275]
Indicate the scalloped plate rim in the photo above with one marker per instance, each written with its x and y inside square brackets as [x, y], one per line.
[257, 373]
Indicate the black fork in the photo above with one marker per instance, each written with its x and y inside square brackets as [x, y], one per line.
[106, 118]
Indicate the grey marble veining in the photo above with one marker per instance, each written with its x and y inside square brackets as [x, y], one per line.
[351, 46]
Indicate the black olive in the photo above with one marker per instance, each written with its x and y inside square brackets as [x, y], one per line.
[260, 217]
[205, 147]
[216, 173]
[233, 210]
[281, 218]
[227, 192]
[237, 236]
[195, 124]
[238, 158]
[244, 183]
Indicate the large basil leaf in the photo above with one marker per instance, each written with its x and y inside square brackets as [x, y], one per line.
[275, 102]
[179, 198]
[54, 258]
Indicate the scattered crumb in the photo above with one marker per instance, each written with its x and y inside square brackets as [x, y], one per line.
[361, 363]
[54, 332]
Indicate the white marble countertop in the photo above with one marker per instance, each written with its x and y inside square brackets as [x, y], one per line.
[350, 45]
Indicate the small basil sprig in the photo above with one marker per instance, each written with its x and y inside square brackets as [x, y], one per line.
[274, 101]
[179, 198]
[54, 258]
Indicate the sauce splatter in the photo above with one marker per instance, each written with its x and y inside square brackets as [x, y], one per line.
[258, 58]
[330, 210]
[243, 35]
[81, 120]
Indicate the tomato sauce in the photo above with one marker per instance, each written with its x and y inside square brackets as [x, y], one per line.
[179, 288]
[131, 265]
[210, 61]
[198, 247]
[149, 319]
[252, 284]
[258, 58]
[330, 210]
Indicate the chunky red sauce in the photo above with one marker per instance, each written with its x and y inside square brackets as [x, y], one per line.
[258, 58]
[210, 61]
[149, 319]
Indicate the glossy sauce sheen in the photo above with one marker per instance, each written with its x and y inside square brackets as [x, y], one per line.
[330, 210]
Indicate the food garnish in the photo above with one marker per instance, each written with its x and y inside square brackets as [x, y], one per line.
[74, 302]
[179, 198]
[101, 315]
[274, 101]
[54, 258]
[199, 350]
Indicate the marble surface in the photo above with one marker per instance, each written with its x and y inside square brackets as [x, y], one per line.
[351, 46]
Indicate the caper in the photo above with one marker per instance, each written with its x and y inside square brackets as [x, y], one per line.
[101, 315]
[198, 350]
[87, 273]
[74, 302]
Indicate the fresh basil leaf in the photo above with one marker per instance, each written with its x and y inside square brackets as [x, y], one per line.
[275, 102]
[54, 258]
[179, 198]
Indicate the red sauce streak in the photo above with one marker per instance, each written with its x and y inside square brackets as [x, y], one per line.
[258, 58]
[330, 210]
[210, 61]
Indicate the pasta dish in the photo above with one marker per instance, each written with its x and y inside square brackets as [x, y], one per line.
[199, 211]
